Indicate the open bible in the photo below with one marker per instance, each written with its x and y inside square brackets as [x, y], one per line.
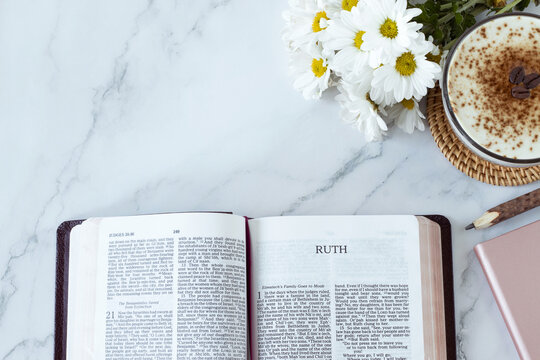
[221, 286]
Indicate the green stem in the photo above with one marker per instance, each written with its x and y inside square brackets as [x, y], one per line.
[508, 7]
[449, 45]
[447, 6]
[446, 18]
[468, 4]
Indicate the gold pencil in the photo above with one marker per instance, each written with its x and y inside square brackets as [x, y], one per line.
[507, 210]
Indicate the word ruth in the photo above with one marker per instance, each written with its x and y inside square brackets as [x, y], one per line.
[330, 249]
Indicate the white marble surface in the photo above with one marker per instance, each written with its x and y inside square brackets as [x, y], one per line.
[142, 106]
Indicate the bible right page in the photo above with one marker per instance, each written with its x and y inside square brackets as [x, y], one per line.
[336, 287]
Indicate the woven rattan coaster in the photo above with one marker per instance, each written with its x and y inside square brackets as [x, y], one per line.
[465, 160]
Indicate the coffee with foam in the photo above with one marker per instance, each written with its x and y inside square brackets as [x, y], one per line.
[480, 92]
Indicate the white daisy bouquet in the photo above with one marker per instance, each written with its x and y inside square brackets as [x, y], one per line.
[383, 55]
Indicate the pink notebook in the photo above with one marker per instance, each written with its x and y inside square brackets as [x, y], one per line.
[511, 263]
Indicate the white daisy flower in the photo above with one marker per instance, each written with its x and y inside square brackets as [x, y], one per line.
[388, 26]
[359, 109]
[334, 7]
[405, 76]
[311, 71]
[437, 56]
[305, 21]
[407, 116]
[345, 35]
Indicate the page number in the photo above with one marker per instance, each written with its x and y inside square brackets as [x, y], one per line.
[176, 231]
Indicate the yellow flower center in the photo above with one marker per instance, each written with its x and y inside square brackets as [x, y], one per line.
[408, 104]
[389, 29]
[318, 68]
[316, 26]
[358, 39]
[405, 64]
[373, 103]
[434, 58]
[348, 4]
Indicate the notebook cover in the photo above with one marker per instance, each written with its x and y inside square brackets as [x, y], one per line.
[62, 277]
[510, 263]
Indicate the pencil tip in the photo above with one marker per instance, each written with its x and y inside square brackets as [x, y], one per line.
[469, 227]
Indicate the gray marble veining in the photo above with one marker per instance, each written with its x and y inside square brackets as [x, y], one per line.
[143, 106]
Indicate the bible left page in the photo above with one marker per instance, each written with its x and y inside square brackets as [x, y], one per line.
[170, 286]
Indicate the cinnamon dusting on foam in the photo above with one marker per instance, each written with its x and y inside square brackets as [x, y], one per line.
[480, 91]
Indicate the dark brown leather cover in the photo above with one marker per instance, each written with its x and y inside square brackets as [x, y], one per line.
[62, 277]
[62, 272]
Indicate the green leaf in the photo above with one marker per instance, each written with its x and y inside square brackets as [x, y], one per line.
[459, 19]
[438, 34]
[469, 21]
[446, 20]
[522, 5]
[430, 6]
[433, 20]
